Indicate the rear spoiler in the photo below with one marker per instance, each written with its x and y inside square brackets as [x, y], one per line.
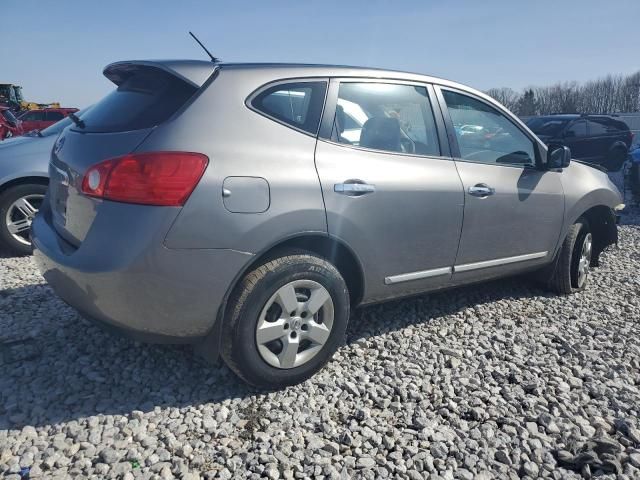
[194, 72]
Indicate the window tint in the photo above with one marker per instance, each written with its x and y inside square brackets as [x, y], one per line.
[546, 126]
[54, 116]
[577, 129]
[497, 140]
[297, 104]
[603, 126]
[148, 97]
[33, 116]
[384, 116]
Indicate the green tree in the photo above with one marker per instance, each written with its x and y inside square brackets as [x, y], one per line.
[527, 104]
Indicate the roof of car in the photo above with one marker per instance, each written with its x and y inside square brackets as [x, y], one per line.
[572, 116]
[197, 71]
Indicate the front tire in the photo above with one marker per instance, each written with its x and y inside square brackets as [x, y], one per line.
[285, 320]
[571, 272]
[18, 206]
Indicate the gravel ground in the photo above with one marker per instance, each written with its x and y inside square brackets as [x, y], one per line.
[496, 381]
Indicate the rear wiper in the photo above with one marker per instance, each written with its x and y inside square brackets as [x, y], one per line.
[74, 118]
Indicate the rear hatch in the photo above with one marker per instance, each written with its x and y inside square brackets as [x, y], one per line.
[147, 95]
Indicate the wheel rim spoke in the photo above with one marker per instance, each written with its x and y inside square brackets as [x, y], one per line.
[270, 331]
[25, 207]
[317, 332]
[319, 297]
[287, 299]
[289, 352]
[19, 226]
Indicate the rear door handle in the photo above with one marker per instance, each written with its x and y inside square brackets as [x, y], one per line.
[354, 188]
[481, 190]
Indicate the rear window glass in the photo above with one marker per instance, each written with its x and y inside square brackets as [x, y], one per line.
[546, 126]
[298, 104]
[146, 99]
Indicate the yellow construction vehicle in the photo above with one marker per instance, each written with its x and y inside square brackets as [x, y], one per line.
[11, 96]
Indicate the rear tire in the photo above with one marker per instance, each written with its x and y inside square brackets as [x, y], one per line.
[15, 222]
[574, 260]
[615, 160]
[304, 301]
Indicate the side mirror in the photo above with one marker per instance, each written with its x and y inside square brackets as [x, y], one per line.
[558, 156]
[569, 134]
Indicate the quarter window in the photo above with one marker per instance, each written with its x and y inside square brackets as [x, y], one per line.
[33, 116]
[297, 104]
[490, 137]
[384, 116]
[577, 129]
[54, 116]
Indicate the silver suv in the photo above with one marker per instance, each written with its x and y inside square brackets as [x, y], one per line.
[246, 208]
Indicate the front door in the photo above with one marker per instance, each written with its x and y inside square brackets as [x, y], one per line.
[391, 192]
[513, 211]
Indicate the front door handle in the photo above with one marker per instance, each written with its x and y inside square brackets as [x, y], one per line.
[481, 190]
[354, 188]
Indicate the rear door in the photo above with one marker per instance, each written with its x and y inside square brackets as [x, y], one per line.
[513, 211]
[390, 188]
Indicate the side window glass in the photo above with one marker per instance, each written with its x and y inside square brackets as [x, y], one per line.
[577, 129]
[54, 116]
[297, 104]
[485, 135]
[599, 127]
[385, 116]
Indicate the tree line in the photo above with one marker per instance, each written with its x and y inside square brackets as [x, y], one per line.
[610, 94]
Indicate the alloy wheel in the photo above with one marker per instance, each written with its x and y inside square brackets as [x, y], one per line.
[20, 215]
[294, 324]
[585, 260]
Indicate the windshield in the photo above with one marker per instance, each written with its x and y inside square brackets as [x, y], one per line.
[18, 93]
[546, 126]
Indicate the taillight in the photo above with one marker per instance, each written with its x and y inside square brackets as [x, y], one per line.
[150, 178]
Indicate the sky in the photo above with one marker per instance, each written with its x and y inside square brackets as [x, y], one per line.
[57, 49]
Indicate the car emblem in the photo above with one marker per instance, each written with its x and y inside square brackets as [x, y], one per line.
[58, 145]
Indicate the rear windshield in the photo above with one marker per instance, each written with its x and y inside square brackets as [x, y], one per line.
[145, 99]
[546, 126]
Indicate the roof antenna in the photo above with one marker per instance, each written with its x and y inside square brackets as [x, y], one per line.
[213, 59]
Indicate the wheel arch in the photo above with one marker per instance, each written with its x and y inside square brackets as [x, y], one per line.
[603, 226]
[618, 145]
[333, 249]
[37, 179]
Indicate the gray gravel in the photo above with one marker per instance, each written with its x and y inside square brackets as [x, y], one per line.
[497, 381]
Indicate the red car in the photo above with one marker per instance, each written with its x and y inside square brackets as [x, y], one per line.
[10, 126]
[41, 119]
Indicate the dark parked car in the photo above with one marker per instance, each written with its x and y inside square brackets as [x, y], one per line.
[598, 139]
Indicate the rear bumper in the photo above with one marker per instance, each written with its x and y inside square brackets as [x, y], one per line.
[124, 277]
